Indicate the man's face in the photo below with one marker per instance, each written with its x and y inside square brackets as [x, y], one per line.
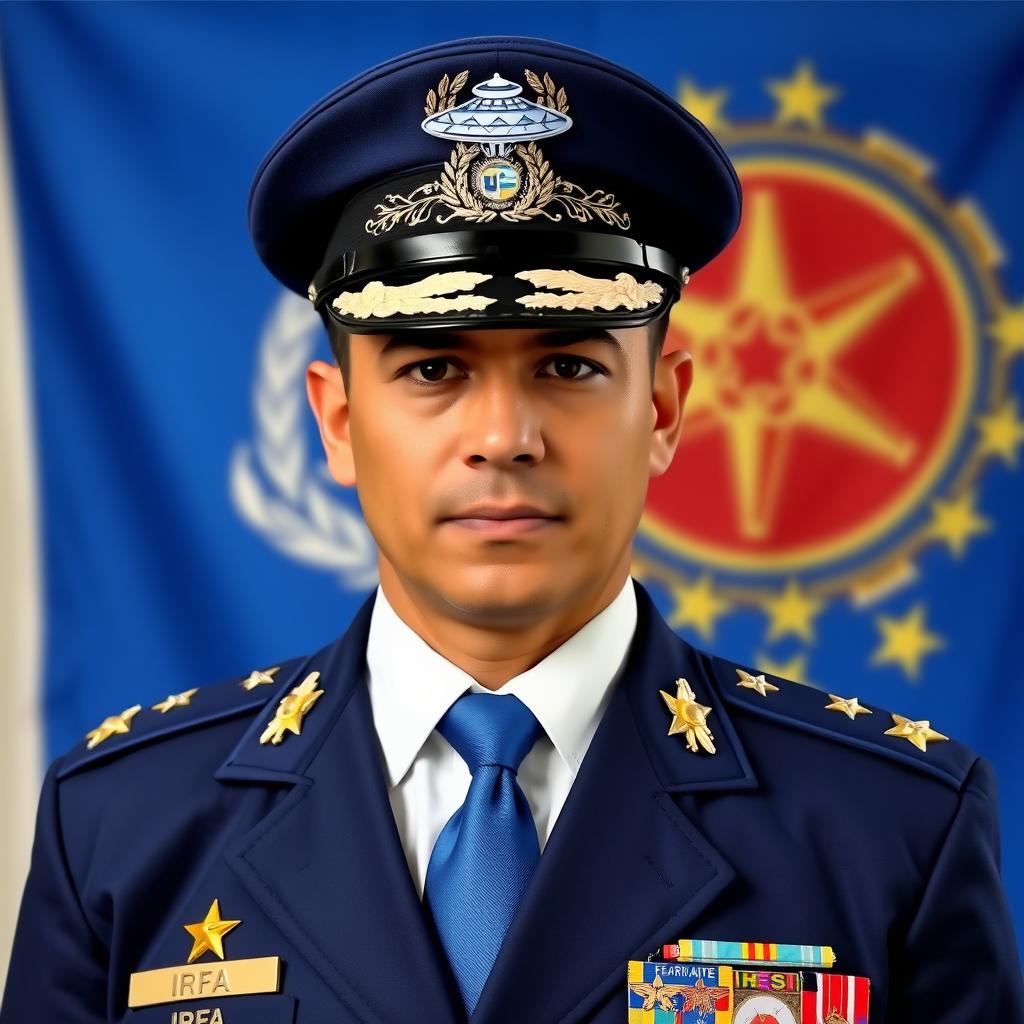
[446, 430]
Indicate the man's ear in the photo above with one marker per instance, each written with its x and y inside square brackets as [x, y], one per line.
[673, 375]
[325, 390]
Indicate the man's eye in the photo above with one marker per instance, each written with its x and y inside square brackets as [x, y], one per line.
[434, 371]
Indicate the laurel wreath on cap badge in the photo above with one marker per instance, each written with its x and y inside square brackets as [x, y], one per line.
[492, 178]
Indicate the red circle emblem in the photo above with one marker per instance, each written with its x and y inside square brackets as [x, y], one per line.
[818, 420]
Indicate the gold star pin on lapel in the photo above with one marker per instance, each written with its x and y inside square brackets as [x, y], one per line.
[292, 709]
[919, 733]
[756, 683]
[848, 705]
[689, 717]
[112, 726]
[176, 700]
[260, 678]
[208, 934]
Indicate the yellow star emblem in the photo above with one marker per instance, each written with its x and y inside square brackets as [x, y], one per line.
[905, 641]
[956, 522]
[756, 683]
[1008, 329]
[795, 669]
[689, 717]
[292, 709]
[208, 934]
[705, 106]
[176, 700]
[792, 612]
[802, 97]
[918, 733]
[260, 678]
[697, 605]
[850, 706]
[112, 726]
[1001, 433]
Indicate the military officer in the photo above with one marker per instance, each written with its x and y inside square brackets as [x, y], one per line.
[508, 776]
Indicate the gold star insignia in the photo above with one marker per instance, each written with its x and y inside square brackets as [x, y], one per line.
[209, 933]
[1008, 329]
[292, 709]
[802, 97]
[905, 641]
[258, 678]
[792, 612]
[697, 605]
[850, 706]
[757, 683]
[689, 717]
[176, 700]
[918, 733]
[956, 522]
[111, 726]
[1001, 433]
[705, 106]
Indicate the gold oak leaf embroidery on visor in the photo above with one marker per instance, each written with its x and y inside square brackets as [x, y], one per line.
[582, 292]
[496, 169]
[426, 296]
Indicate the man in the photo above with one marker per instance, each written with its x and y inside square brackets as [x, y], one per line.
[508, 777]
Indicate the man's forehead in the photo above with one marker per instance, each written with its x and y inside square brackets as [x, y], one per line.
[493, 339]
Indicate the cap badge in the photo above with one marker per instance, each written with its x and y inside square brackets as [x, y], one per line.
[496, 168]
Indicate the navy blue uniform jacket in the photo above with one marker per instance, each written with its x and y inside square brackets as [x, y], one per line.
[804, 827]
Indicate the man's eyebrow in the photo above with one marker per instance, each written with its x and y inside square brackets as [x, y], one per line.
[433, 340]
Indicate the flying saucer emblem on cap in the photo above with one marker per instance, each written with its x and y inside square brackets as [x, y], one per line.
[496, 168]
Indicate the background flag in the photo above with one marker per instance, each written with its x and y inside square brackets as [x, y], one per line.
[845, 507]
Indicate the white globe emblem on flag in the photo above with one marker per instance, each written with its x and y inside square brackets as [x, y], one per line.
[278, 486]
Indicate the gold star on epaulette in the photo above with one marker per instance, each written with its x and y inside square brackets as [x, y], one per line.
[176, 700]
[258, 678]
[292, 709]
[689, 717]
[209, 933]
[111, 726]
[848, 705]
[919, 733]
[757, 683]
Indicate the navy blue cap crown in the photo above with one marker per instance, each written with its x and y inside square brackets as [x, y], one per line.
[494, 181]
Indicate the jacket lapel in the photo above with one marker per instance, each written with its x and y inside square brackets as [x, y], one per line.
[624, 869]
[326, 864]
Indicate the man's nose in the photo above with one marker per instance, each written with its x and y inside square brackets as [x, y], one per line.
[501, 423]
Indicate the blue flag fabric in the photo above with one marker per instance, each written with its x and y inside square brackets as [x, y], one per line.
[845, 505]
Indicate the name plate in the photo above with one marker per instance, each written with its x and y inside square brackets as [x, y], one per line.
[228, 978]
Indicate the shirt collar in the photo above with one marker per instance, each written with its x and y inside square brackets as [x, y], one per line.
[411, 685]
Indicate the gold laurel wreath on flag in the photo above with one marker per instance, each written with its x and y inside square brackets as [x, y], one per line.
[582, 292]
[426, 296]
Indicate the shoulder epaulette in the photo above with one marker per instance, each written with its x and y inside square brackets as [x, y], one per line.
[179, 712]
[845, 719]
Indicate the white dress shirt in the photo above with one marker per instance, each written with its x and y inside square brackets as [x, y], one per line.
[412, 686]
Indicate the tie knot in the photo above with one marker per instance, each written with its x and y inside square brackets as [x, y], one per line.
[489, 728]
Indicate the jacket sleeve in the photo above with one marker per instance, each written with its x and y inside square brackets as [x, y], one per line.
[959, 962]
[58, 968]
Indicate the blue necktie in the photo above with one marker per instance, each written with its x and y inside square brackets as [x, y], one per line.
[486, 853]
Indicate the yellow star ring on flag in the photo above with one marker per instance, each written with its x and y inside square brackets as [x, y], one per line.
[919, 733]
[293, 708]
[208, 934]
[689, 717]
